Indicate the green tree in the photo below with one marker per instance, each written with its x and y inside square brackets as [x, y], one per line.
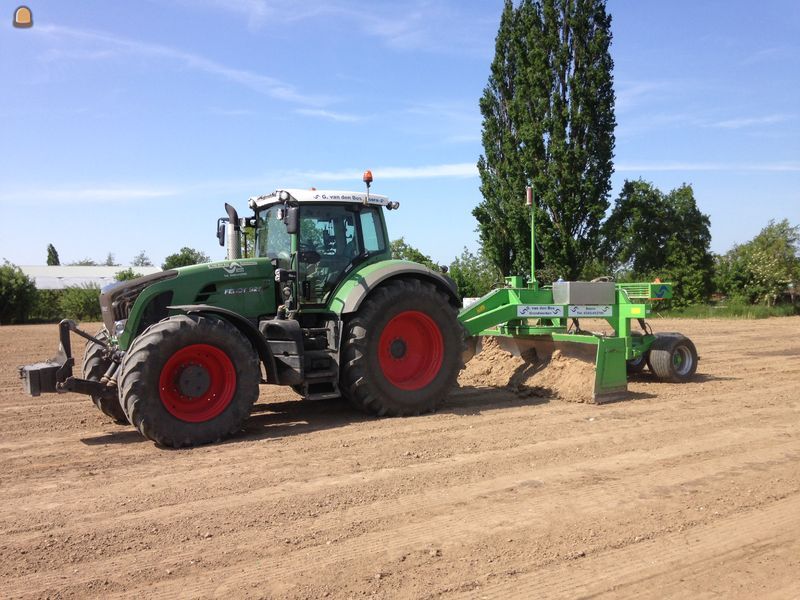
[548, 121]
[52, 256]
[142, 260]
[17, 294]
[474, 274]
[763, 268]
[110, 262]
[84, 262]
[81, 303]
[636, 232]
[46, 307]
[404, 251]
[126, 274]
[651, 234]
[689, 264]
[184, 257]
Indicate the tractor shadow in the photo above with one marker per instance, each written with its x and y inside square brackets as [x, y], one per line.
[475, 400]
[129, 436]
[295, 417]
[282, 418]
[282, 414]
[647, 377]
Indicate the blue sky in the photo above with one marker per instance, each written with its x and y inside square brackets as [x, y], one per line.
[126, 126]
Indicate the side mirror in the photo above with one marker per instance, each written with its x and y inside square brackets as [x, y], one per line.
[292, 220]
[221, 230]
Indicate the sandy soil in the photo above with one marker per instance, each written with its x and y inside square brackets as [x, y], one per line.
[681, 491]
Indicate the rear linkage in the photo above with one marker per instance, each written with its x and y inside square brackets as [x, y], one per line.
[55, 375]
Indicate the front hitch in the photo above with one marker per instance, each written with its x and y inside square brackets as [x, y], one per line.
[55, 375]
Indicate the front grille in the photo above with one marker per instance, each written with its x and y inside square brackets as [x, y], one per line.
[117, 301]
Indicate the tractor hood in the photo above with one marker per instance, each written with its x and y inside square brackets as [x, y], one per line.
[244, 286]
[117, 299]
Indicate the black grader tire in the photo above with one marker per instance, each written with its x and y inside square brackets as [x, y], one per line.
[189, 380]
[673, 358]
[94, 366]
[402, 350]
[637, 365]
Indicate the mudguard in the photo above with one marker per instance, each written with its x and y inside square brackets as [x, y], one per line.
[358, 285]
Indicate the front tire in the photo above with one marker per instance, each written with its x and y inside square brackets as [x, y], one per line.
[402, 350]
[94, 366]
[189, 380]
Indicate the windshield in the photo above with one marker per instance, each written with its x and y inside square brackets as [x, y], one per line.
[272, 240]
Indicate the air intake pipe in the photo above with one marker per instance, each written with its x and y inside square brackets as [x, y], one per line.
[233, 233]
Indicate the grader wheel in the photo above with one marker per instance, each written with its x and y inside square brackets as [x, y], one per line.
[673, 358]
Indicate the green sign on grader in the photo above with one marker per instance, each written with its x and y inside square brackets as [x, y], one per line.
[322, 307]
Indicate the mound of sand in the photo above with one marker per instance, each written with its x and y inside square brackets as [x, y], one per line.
[543, 374]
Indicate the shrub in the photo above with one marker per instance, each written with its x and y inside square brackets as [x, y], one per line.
[47, 306]
[17, 294]
[126, 274]
[81, 303]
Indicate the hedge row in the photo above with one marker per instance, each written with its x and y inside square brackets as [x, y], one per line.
[21, 302]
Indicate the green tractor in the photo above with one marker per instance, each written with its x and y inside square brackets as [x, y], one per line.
[319, 305]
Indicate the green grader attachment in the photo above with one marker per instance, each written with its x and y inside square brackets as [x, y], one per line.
[320, 306]
[530, 317]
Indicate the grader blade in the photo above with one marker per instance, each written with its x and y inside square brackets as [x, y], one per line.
[606, 355]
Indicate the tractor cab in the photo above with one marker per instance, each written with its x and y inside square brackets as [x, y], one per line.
[320, 235]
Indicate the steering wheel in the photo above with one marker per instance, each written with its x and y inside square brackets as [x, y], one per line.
[307, 253]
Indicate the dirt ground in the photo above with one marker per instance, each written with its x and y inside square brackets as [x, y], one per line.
[683, 491]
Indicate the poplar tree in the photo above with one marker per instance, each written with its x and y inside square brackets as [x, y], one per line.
[548, 121]
[52, 256]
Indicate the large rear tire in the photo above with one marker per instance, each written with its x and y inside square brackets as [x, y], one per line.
[94, 366]
[189, 380]
[402, 350]
[673, 358]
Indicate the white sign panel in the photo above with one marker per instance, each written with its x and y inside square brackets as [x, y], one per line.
[590, 310]
[539, 310]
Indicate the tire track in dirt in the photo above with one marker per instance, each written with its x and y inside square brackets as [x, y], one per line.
[499, 496]
[660, 568]
[289, 481]
[496, 495]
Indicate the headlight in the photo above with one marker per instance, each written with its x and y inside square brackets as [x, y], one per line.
[119, 327]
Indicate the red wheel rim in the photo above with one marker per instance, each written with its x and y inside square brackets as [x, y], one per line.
[216, 375]
[411, 350]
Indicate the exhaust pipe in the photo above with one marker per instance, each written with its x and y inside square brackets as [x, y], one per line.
[233, 233]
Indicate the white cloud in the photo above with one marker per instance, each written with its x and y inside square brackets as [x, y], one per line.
[771, 55]
[458, 170]
[629, 94]
[329, 114]
[262, 84]
[255, 11]
[89, 194]
[741, 122]
[93, 193]
[788, 166]
[410, 25]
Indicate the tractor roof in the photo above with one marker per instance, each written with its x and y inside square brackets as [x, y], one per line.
[310, 196]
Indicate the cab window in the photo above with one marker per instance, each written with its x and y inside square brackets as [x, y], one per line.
[326, 246]
[372, 231]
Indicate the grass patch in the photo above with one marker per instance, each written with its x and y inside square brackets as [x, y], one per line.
[730, 311]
